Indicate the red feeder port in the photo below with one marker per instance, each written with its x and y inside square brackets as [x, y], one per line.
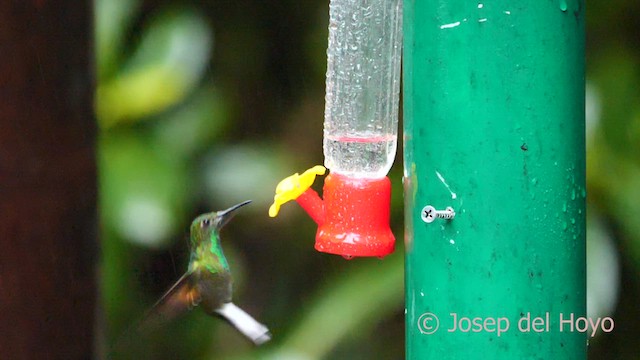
[353, 219]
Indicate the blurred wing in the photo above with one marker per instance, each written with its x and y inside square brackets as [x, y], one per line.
[181, 297]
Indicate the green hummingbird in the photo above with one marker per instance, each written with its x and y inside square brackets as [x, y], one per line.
[208, 281]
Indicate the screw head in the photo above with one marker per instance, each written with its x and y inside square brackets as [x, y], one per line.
[428, 214]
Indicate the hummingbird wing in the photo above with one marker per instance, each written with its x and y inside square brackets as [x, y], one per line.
[180, 298]
[247, 325]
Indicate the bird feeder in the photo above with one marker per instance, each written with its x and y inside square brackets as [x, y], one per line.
[360, 132]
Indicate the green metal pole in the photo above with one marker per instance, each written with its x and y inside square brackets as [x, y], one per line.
[494, 127]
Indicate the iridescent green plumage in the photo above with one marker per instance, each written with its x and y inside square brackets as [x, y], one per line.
[208, 280]
[206, 249]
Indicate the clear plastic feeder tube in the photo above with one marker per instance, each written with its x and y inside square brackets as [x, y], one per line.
[362, 89]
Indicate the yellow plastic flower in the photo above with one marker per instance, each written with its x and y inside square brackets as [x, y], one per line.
[293, 186]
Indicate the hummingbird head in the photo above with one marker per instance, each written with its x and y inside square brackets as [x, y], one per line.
[214, 221]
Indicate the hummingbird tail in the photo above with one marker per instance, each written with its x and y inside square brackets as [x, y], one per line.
[248, 326]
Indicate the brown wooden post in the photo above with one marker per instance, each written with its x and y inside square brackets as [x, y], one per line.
[47, 180]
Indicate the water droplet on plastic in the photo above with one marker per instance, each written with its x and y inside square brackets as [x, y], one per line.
[563, 5]
[564, 207]
[564, 226]
[347, 257]
[573, 194]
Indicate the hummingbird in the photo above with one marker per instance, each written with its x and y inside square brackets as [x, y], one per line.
[208, 281]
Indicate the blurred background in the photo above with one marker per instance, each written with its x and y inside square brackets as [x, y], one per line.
[203, 104]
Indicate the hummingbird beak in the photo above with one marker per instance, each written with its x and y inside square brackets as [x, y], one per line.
[225, 215]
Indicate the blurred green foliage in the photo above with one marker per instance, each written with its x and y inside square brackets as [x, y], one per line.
[205, 104]
[186, 129]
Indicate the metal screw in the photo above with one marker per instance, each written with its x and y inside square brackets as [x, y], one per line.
[429, 213]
